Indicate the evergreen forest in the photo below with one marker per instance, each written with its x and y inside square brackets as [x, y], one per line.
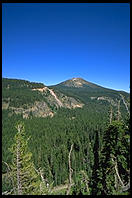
[77, 151]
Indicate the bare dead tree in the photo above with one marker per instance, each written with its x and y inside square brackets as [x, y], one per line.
[125, 103]
[70, 171]
[20, 128]
[19, 185]
[116, 171]
[126, 187]
[44, 181]
[118, 111]
[118, 178]
[111, 114]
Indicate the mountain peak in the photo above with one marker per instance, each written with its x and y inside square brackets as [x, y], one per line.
[76, 78]
[75, 82]
[79, 82]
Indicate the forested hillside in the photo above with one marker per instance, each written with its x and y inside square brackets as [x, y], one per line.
[75, 139]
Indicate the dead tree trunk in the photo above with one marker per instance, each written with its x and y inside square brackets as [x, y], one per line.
[111, 113]
[118, 111]
[70, 171]
[118, 178]
[19, 186]
[125, 103]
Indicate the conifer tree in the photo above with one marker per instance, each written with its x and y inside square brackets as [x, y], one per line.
[114, 159]
[26, 180]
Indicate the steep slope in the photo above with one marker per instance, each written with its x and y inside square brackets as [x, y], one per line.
[33, 99]
[90, 93]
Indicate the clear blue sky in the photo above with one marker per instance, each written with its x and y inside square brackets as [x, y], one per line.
[53, 42]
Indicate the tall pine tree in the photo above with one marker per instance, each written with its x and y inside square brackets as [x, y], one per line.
[114, 159]
[26, 180]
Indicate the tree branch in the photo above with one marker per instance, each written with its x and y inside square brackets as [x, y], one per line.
[123, 187]
[117, 173]
[8, 172]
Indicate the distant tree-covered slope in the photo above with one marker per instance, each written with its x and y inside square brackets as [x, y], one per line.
[90, 93]
[34, 99]
[17, 83]
[84, 90]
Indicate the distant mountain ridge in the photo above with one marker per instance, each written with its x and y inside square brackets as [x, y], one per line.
[36, 99]
[73, 82]
[80, 82]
